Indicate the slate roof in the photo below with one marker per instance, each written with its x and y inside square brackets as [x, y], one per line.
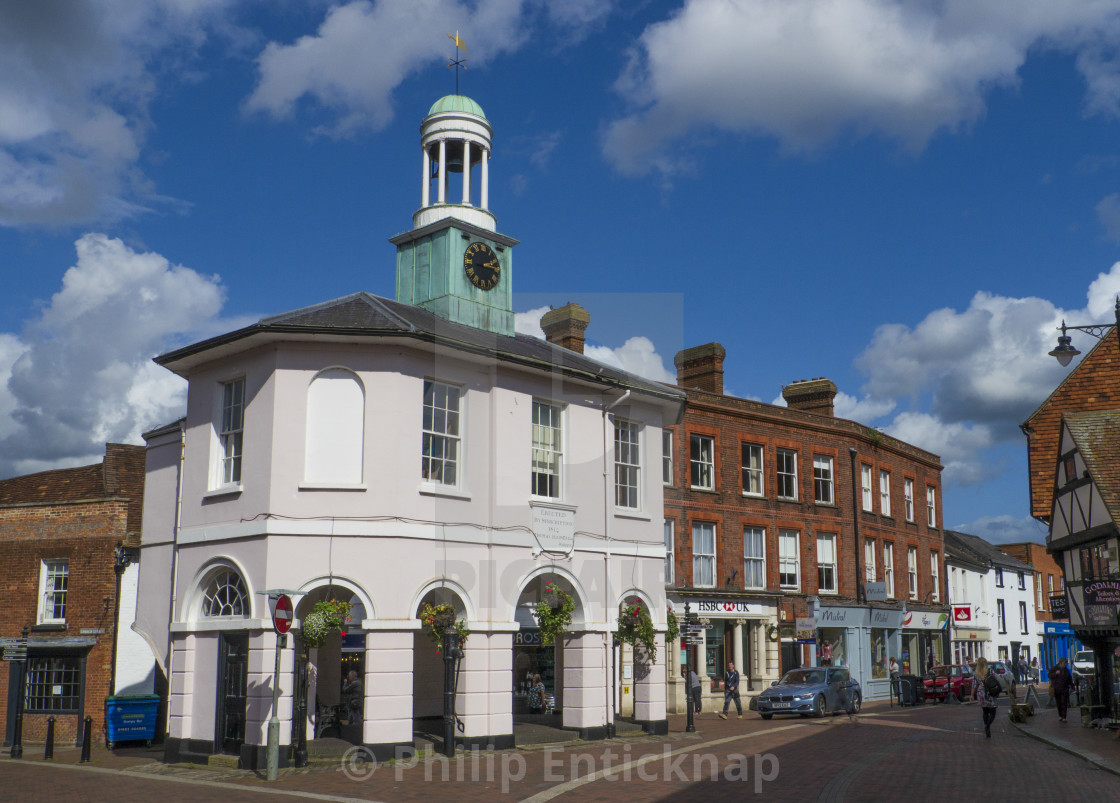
[1097, 435]
[363, 315]
[974, 549]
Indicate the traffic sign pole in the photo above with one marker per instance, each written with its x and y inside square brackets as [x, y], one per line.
[282, 621]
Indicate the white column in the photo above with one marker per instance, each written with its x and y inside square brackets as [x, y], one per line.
[258, 705]
[484, 200]
[585, 680]
[649, 686]
[387, 718]
[466, 172]
[441, 197]
[426, 180]
[737, 648]
[485, 698]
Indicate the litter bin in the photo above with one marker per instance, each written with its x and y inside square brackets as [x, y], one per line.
[911, 690]
[131, 718]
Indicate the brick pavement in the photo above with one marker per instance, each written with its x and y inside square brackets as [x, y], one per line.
[929, 752]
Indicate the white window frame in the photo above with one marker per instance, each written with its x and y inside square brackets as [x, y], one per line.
[935, 574]
[753, 459]
[701, 463]
[823, 480]
[1022, 581]
[786, 561]
[670, 552]
[703, 563]
[912, 570]
[865, 478]
[449, 436]
[54, 583]
[1001, 617]
[666, 457]
[229, 431]
[627, 465]
[1038, 589]
[826, 543]
[999, 578]
[1023, 617]
[869, 560]
[754, 564]
[908, 497]
[547, 455]
[931, 506]
[884, 492]
[786, 477]
[888, 568]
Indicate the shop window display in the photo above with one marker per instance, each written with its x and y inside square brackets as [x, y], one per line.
[832, 647]
[878, 652]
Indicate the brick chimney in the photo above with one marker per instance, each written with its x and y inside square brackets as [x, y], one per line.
[701, 367]
[811, 395]
[565, 326]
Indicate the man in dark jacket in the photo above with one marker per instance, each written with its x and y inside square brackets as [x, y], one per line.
[1060, 683]
[731, 691]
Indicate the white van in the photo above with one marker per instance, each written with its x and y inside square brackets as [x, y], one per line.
[1083, 663]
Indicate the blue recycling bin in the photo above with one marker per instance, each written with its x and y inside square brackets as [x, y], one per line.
[131, 718]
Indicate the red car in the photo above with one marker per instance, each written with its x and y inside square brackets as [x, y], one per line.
[956, 678]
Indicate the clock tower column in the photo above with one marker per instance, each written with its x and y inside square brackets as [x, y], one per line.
[454, 262]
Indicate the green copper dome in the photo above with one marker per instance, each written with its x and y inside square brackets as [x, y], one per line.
[456, 103]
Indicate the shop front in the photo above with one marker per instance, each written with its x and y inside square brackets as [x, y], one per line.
[531, 658]
[1058, 641]
[970, 644]
[861, 638]
[742, 631]
[924, 635]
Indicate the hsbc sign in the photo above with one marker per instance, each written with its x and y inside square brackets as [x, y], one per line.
[728, 606]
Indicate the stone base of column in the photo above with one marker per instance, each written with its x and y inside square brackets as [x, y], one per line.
[502, 741]
[593, 733]
[391, 750]
[654, 727]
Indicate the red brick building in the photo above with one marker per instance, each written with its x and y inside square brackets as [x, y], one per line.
[775, 514]
[1092, 386]
[59, 532]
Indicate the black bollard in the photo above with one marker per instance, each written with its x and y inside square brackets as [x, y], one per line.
[87, 740]
[48, 751]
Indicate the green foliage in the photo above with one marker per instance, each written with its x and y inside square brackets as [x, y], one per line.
[635, 626]
[328, 616]
[438, 619]
[554, 613]
[673, 632]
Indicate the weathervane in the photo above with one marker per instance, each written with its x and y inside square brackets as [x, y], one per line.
[458, 62]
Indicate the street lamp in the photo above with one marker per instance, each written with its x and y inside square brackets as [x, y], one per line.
[1064, 351]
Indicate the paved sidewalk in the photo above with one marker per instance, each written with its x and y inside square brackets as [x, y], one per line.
[1098, 746]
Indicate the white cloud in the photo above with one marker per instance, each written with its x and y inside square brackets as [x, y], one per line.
[805, 72]
[1005, 529]
[363, 50]
[863, 410]
[75, 82]
[636, 356]
[963, 381]
[81, 373]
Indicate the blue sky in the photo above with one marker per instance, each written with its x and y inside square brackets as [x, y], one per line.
[906, 198]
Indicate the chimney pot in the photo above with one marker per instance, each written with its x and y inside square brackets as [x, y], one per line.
[566, 326]
[701, 367]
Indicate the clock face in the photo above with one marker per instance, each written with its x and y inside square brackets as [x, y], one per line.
[482, 266]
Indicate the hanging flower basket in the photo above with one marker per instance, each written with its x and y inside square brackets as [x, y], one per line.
[438, 619]
[325, 618]
[673, 629]
[554, 613]
[635, 626]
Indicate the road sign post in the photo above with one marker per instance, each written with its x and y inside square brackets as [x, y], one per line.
[282, 622]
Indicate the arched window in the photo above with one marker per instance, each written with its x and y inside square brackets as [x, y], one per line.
[225, 595]
[335, 424]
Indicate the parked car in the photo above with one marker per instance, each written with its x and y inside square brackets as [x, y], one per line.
[816, 690]
[956, 678]
[1083, 664]
[1003, 674]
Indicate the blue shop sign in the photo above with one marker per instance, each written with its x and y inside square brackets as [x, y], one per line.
[1057, 629]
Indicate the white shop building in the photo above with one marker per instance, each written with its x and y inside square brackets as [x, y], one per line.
[393, 452]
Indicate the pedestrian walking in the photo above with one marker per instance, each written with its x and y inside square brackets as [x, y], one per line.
[352, 693]
[892, 667]
[694, 679]
[1061, 681]
[985, 696]
[1022, 669]
[731, 691]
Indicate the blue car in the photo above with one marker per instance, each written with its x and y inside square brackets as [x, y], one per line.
[816, 690]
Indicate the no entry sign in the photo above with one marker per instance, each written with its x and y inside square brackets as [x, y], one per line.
[282, 615]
